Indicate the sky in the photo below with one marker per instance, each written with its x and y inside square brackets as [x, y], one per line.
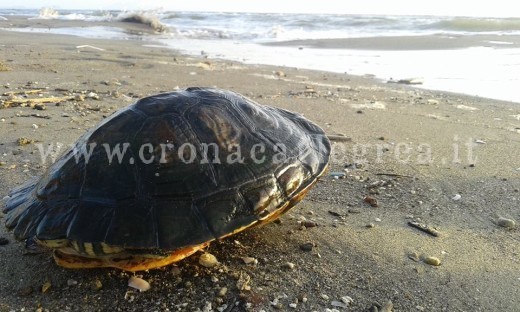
[495, 8]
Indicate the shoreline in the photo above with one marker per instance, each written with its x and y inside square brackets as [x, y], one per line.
[381, 57]
[422, 148]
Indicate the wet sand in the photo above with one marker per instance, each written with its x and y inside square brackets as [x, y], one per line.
[407, 43]
[412, 150]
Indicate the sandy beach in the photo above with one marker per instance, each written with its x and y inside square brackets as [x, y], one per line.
[444, 160]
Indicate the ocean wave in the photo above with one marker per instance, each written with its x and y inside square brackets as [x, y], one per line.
[468, 24]
[48, 13]
[147, 18]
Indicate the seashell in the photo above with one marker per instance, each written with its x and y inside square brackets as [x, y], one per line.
[208, 260]
[249, 260]
[138, 283]
[46, 286]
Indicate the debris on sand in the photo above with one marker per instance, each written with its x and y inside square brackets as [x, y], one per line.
[424, 227]
[208, 260]
[138, 283]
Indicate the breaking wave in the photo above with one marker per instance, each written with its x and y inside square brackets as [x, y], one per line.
[148, 18]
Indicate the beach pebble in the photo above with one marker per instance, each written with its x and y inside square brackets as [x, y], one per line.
[96, 285]
[506, 223]
[307, 246]
[79, 97]
[40, 107]
[432, 261]
[480, 142]
[249, 260]
[309, 224]
[35, 126]
[289, 265]
[293, 305]
[338, 175]
[138, 283]
[208, 260]
[456, 197]
[370, 225]
[372, 201]
[222, 292]
[92, 95]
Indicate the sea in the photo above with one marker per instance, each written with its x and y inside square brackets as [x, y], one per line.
[477, 56]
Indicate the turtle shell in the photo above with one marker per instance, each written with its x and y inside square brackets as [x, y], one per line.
[173, 170]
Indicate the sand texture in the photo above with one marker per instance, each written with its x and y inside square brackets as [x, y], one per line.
[442, 160]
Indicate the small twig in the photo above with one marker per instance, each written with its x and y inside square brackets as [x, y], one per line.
[395, 175]
[36, 115]
[424, 227]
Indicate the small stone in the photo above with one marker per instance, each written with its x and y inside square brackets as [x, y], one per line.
[347, 300]
[280, 73]
[249, 260]
[293, 305]
[307, 246]
[370, 225]
[208, 260]
[46, 286]
[506, 223]
[92, 95]
[338, 175]
[456, 197]
[432, 261]
[35, 126]
[309, 224]
[79, 97]
[97, 285]
[377, 220]
[324, 297]
[289, 265]
[480, 142]
[40, 107]
[371, 201]
[222, 292]
[71, 282]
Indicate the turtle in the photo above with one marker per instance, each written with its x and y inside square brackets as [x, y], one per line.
[162, 178]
